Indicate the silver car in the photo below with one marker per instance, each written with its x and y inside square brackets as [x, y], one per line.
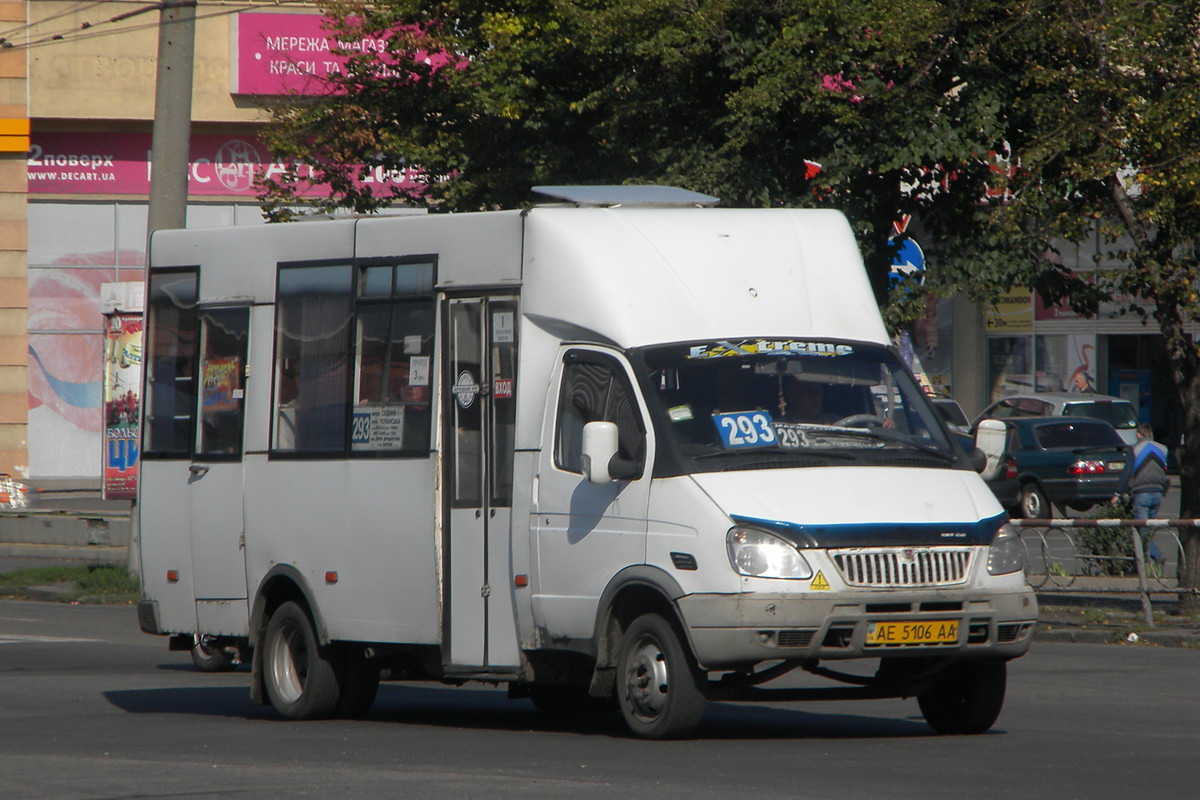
[1119, 413]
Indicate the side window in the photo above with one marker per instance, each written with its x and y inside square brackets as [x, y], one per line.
[395, 314]
[171, 363]
[223, 339]
[595, 388]
[314, 310]
[1028, 407]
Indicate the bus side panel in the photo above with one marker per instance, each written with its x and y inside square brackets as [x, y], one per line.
[166, 546]
[371, 521]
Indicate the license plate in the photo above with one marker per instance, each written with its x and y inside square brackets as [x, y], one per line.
[1116, 466]
[941, 631]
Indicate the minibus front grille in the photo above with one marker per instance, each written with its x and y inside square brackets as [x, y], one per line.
[903, 567]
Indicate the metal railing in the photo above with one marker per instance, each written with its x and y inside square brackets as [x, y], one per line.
[1105, 556]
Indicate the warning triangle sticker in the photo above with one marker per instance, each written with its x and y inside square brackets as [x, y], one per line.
[819, 584]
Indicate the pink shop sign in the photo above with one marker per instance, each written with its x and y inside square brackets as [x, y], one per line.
[277, 54]
[119, 163]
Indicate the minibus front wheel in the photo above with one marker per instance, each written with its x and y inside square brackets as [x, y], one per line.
[658, 684]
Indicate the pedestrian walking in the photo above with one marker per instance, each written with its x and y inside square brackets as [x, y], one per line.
[1146, 481]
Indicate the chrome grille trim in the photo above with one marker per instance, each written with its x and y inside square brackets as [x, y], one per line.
[903, 567]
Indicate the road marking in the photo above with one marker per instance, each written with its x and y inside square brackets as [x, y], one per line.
[17, 638]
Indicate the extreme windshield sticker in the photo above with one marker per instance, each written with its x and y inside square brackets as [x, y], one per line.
[768, 347]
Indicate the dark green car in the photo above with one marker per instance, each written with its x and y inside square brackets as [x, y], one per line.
[1075, 463]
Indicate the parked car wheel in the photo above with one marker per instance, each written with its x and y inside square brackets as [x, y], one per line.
[1034, 504]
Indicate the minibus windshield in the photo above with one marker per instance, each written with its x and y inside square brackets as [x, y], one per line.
[768, 403]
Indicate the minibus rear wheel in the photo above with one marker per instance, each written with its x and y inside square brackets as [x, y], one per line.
[299, 677]
[967, 698]
[658, 685]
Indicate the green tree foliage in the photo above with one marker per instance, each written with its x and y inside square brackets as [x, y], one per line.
[1008, 129]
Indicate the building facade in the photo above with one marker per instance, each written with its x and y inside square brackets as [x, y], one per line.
[87, 180]
[14, 142]
[76, 115]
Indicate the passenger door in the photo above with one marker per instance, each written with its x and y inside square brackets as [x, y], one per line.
[190, 493]
[215, 473]
[479, 414]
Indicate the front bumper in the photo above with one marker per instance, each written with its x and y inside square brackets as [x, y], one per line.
[736, 631]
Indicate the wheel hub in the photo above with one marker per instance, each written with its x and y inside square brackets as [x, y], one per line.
[646, 681]
[285, 674]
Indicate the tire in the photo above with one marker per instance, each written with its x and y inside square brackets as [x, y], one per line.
[300, 679]
[1034, 504]
[359, 684]
[658, 686]
[967, 698]
[567, 699]
[209, 655]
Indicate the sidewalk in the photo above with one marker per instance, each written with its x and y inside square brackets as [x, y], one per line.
[66, 520]
[1096, 619]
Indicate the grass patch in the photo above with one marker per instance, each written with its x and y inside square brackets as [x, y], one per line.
[82, 583]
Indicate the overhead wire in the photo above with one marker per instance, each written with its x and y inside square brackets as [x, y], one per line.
[86, 30]
[75, 9]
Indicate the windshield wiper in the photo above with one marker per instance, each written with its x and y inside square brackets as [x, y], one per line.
[886, 435]
[789, 452]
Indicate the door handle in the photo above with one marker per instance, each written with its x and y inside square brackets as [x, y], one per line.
[199, 470]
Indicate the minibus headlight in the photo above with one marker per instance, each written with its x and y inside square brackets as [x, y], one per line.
[1007, 554]
[763, 555]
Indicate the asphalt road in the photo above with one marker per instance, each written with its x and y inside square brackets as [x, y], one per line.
[92, 708]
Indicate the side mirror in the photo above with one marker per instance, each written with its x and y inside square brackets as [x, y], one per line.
[599, 446]
[990, 437]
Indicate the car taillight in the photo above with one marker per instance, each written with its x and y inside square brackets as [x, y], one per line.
[1086, 468]
[1010, 469]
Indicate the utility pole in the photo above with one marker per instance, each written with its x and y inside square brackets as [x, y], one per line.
[169, 146]
[172, 116]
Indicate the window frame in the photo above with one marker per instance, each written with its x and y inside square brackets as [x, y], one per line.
[149, 379]
[623, 378]
[353, 350]
[201, 361]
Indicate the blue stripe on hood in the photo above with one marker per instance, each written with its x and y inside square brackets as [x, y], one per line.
[876, 534]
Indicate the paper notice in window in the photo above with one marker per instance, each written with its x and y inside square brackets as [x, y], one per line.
[418, 371]
[502, 327]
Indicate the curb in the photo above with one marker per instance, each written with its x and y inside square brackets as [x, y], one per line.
[1145, 638]
[91, 553]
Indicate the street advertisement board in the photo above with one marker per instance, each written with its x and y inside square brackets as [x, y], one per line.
[122, 398]
[72, 163]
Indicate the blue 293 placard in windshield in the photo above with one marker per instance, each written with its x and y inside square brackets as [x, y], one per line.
[745, 429]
